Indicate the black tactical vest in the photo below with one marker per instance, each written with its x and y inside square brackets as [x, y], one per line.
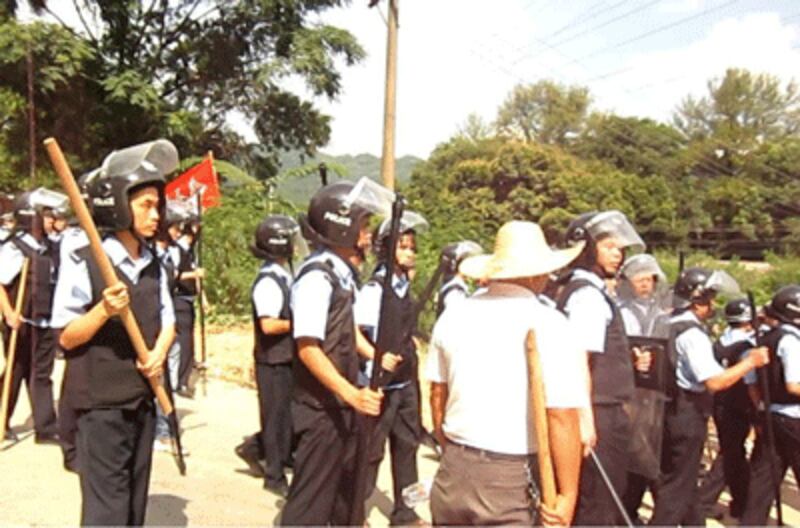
[776, 377]
[272, 349]
[339, 344]
[398, 331]
[612, 370]
[102, 373]
[40, 284]
[185, 288]
[443, 295]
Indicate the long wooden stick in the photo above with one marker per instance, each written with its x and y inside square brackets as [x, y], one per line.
[101, 259]
[8, 377]
[536, 394]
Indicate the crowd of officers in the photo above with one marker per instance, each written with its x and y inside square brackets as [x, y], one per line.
[631, 368]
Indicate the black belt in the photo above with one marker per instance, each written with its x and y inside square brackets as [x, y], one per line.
[491, 455]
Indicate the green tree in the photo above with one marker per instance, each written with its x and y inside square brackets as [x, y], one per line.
[546, 112]
[176, 68]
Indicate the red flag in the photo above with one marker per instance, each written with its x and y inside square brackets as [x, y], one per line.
[202, 179]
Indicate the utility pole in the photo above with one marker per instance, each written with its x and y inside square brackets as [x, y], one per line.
[390, 102]
[31, 117]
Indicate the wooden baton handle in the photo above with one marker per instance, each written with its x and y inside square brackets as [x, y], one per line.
[12, 349]
[101, 259]
[536, 394]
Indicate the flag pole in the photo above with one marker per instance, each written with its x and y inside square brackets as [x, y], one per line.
[200, 288]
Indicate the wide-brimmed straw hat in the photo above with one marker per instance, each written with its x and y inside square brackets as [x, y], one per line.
[520, 250]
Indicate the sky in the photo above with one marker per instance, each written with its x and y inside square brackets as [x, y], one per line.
[459, 57]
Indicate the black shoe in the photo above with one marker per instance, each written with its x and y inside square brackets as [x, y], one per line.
[11, 436]
[250, 458]
[185, 392]
[280, 488]
[47, 439]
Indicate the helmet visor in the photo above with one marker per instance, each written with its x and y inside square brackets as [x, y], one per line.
[614, 224]
[42, 197]
[372, 197]
[160, 154]
[410, 221]
[722, 283]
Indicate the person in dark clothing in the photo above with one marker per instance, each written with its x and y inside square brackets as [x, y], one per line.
[594, 316]
[274, 348]
[35, 354]
[107, 380]
[783, 378]
[400, 419]
[698, 375]
[326, 396]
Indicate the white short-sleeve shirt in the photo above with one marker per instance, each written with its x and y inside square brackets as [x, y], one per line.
[695, 351]
[267, 294]
[478, 350]
[311, 294]
[589, 313]
[74, 288]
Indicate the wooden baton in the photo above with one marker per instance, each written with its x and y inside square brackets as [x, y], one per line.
[536, 395]
[101, 259]
[12, 349]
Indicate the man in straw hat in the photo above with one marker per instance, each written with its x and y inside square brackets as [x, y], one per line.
[481, 411]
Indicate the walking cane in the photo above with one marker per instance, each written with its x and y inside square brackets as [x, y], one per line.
[110, 278]
[12, 350]
[536, 395]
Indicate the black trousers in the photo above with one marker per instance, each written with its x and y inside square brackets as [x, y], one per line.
[731, 467]
[33, 364]
[761, 494]
[274, 384]
[321, 491]
[595, 503]
[685, 429]
[115, 451]
[68, 426]
[184, 326]
[400, 423]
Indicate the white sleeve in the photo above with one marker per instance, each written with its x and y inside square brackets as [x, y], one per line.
[164, 295]
[789, 352]
[268, 298]
[453, 296]
[589, 315]
[564, 368]
[700, 355]
[368, 305]
[73, 292]
[311, 297]
[11, 259]
[435, 364]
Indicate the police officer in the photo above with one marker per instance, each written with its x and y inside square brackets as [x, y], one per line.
[454, 288]
[783, 378]
[732, 416]
[595, 318]
[116, 421]
[35, 355]
[275, 241]
[182, 248]
[400, 416]
[697, 375]
[327, 361]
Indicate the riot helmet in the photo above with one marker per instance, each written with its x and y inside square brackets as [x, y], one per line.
[697, 285]
[593, 227]
[124, 172]
[277, 237]
[738, 311]
[333, 220]
[410, 222]
[785, 305]
[31, 205]
[453, 254]
[635, 267]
